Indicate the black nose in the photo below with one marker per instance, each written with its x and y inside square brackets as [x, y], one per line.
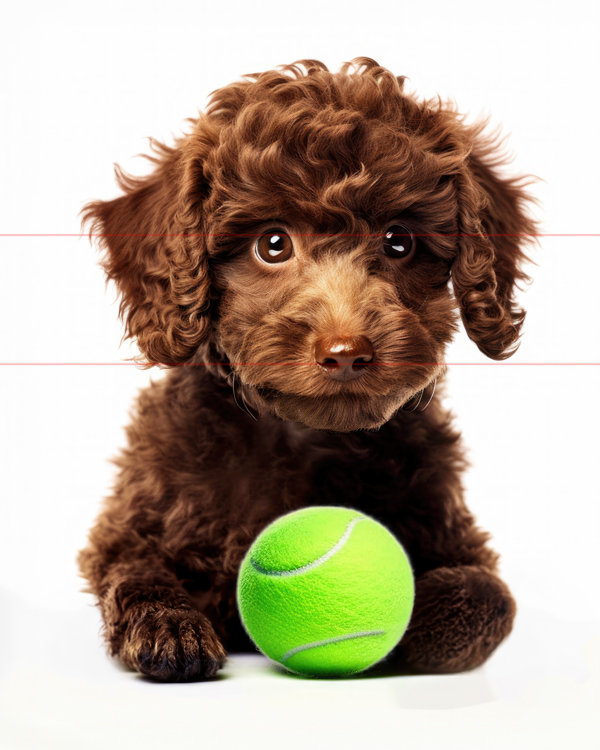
[343, 357]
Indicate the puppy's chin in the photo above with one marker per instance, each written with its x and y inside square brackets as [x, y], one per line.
[342, 413]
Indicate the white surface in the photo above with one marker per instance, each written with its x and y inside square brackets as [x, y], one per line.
[540, 690]
[82, 85]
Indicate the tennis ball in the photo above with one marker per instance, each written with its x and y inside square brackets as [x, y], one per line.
[325, 591]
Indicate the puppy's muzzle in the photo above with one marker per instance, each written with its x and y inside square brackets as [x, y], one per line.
[343, 357]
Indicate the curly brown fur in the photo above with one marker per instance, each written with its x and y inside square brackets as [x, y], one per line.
[333, 160]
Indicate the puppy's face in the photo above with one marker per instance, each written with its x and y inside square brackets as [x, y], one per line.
[339, 335]
[319, 219]
[334, 301]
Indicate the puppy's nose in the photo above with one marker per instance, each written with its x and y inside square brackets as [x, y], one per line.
[343, 357]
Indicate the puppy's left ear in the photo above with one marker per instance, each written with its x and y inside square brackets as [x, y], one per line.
[493, 227]
[155, 249]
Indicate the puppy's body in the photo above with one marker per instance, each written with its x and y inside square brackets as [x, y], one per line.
[201, 479]
[256, 256]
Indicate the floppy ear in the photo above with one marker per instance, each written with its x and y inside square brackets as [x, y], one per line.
[155, 251]
[493, 227]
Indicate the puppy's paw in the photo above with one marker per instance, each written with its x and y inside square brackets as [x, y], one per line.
[461, 615]
[174, 645]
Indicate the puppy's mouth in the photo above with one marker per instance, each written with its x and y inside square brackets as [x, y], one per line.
[332, 382]
[344, 411]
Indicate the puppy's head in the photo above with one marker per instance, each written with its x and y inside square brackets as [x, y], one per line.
[317, 235]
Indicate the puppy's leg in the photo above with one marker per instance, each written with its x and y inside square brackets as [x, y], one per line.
[462, 609]
[460, 616]
[150, 623]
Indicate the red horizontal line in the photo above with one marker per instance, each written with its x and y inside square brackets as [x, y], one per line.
[293, 234]
[298, 364]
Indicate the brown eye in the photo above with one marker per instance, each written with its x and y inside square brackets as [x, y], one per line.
[398, 242]
[274, 247]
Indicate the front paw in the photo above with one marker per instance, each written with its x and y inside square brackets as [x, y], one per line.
[460, 616]
[174, 645]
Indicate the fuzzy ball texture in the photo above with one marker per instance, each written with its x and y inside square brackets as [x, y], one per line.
[326, 591]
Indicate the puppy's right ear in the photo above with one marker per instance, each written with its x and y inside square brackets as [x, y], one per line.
[155, 250]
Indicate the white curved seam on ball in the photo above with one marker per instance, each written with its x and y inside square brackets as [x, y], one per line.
[315, 563]
[327, 641]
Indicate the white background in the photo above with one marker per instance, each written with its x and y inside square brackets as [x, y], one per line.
[82, 85]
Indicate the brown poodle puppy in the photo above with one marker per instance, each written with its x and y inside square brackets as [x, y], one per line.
[293, 255]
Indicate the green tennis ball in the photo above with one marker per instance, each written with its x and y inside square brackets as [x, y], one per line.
[325, 591]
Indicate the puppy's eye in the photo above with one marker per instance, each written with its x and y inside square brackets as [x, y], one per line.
[274, 247]
[399, 242]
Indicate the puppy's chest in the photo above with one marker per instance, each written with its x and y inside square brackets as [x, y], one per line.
[277, 472]
[293, 468]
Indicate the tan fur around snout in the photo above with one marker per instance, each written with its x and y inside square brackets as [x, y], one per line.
[271, 336]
